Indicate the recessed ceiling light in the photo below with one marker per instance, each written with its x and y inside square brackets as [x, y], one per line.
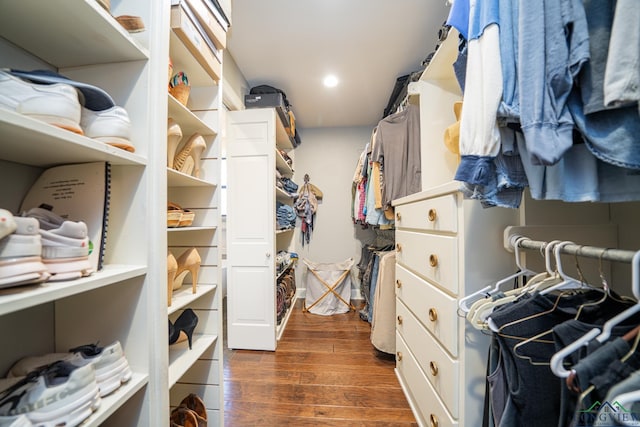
[330, 81]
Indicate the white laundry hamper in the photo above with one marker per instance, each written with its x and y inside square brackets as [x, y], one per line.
[328, 287]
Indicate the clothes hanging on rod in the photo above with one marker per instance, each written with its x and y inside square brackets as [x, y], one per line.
[530, 331]
[574, 141]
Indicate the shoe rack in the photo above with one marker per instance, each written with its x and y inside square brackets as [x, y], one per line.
[198, 369]
[127, 299]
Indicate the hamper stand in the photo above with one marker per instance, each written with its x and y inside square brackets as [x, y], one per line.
[328, 287]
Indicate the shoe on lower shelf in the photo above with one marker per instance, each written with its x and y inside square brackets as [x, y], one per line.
[21, 255]
[57, 104]
[65, 245]
[111, 367]
[111, 126]
[60, 394]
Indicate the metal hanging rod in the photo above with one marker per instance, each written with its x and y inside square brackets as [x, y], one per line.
[606, 254]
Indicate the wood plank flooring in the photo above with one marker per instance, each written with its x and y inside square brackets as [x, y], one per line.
[325, 372]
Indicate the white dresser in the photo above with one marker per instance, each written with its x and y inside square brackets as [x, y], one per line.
[447, 247]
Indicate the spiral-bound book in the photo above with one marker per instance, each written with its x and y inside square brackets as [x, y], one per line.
[78, 192]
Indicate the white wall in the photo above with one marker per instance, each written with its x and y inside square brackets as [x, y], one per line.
[329, 156]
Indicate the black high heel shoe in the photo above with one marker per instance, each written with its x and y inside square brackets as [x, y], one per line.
[183, 327]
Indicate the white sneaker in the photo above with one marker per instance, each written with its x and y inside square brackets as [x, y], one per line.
[56, 104]
[15, 421]
[111, 367]
[7, 223]
[65, 245]
[111, 126]
[21, 255]
[60, 394]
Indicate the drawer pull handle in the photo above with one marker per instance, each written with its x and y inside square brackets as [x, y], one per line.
[398, 216]
[398, 247]
[432, 215]
[399, 320]
[433, 314]
[433, 420]
[399, 356]
[434, 368]
[398, 284]
[433, 260]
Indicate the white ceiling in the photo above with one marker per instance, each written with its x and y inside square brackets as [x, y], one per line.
[368, 44]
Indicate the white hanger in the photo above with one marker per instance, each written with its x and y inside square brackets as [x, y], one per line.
[556, 360]
[568, 282]
[489, 290]
[479, 316]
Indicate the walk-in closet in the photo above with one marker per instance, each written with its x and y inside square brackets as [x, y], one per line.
[364, 213]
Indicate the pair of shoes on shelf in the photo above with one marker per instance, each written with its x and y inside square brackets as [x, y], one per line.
[188, 262]
[188, 158]
[182, 329]
[59, 394]
[21, 252]
[75, 106]
[177, 216]
[65, 244]
[190, 413]
[109, 363]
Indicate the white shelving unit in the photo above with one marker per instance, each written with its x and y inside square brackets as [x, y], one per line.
[255, 135]
[127, 299]
[199, 369]
[81, 40]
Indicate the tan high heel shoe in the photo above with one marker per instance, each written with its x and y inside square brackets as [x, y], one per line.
[174, 135]
[188, 158]
[188, 262]
[172, 269]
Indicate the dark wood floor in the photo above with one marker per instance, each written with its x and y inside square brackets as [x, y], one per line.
[325, 372]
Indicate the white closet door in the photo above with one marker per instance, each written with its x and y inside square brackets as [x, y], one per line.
[250, 229]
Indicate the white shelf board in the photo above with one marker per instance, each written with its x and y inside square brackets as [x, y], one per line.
[33, 142]
[282, 326]
[183, 60]
[283, 166]
[190, 229]
[181, 358]
[21, 297]
[179, 179]
[291, 263]
[189, 122]
[111, 403]
[440, 66]
[283, 140]
[76, 32]
[282, 195]
[183, 296]
[288, 230]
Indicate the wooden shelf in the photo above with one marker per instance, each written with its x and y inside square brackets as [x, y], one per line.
[36, 143]
[183, 296]
[282, 195]
[179, 179]
[181, 358]
[26, 23]
[183, 60]
[440, 66]
[21, 297]
[189, 122]
[111, 403]
[283, 166]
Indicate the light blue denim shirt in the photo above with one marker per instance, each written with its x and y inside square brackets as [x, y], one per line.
[553, 45]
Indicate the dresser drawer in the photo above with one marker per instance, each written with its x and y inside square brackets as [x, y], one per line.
[436, 310]
[439, 214]
[441, 370]
[432, 412]
[432, 256]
